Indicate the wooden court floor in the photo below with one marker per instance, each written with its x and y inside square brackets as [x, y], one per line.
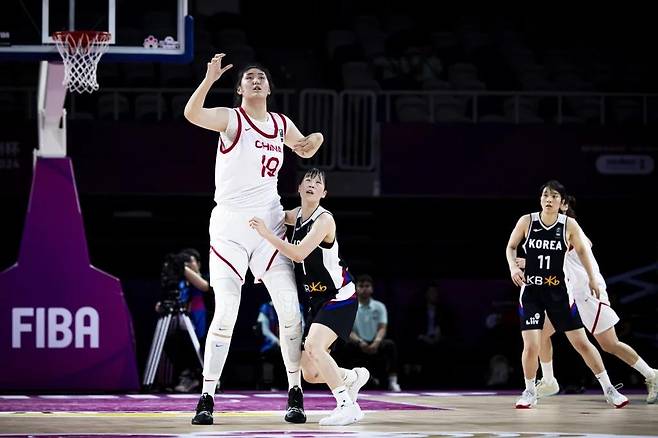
[408, 415]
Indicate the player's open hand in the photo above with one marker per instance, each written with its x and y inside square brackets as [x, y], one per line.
[595, 288]
[259, 225]
[307, 146]
[215, 69]
[517, 276]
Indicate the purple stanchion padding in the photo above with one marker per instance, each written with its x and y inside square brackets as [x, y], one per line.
[64, 325]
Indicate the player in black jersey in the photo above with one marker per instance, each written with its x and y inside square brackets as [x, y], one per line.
[332, 303]
[546, 237]
[598, 318]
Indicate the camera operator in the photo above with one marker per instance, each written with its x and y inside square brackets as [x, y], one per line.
[186, 288]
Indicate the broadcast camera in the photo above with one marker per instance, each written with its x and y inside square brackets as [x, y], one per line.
[171, 275]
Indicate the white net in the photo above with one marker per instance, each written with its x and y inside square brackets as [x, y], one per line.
[81, 51]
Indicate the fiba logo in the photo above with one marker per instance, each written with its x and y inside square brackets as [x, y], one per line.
[54, 327]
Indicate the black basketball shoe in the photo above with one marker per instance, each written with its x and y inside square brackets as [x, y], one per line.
[295, 412]
[204, 410]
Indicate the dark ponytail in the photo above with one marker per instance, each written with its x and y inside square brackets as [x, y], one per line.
[571, 202]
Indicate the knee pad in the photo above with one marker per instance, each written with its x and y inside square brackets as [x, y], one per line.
[227, 304]
[280, 283]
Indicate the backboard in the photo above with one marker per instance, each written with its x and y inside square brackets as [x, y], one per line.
[141, 30]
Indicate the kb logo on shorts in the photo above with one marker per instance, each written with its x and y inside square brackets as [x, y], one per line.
[538, 280]
[315, 286]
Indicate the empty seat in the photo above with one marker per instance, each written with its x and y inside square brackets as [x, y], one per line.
[177, 75]
[366, 23]
[140, 74]
[373, 43]
[493, 118]
[436, 84]
[412, 109]
[113, 106]
[241, 55]
[9, 106]
[178, 103]
[352, 70]
[462, 71]
[363, 84]
[627, 110]
[525, 110]
[149, 107]
[450, 115]
[587, 108]
[338, 37]
[443, 40]
[231, 37]
[413, 114]
[468, 84]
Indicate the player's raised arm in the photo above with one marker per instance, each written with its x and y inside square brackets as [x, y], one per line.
[215, 119]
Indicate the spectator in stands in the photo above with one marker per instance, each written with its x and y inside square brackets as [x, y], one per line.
[423, 64]
[368, 338]
[392, 68]
[501, 324]
[429, 335]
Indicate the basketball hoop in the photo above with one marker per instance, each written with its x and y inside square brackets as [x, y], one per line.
[81, 50]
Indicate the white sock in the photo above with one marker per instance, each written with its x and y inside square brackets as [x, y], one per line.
[294, 379]
[209, 387]
[604, 380]
[644, 369]
[342, 396]
[393, 378]
[547, 371]
[530, 385]
[349, 377]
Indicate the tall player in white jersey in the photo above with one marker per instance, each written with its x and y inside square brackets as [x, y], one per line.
[598, 318]
[249, 157]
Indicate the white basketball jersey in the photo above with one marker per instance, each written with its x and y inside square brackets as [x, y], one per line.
[575, 273]
[249, 157]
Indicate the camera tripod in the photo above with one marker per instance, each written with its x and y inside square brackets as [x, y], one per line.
[169, 310]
